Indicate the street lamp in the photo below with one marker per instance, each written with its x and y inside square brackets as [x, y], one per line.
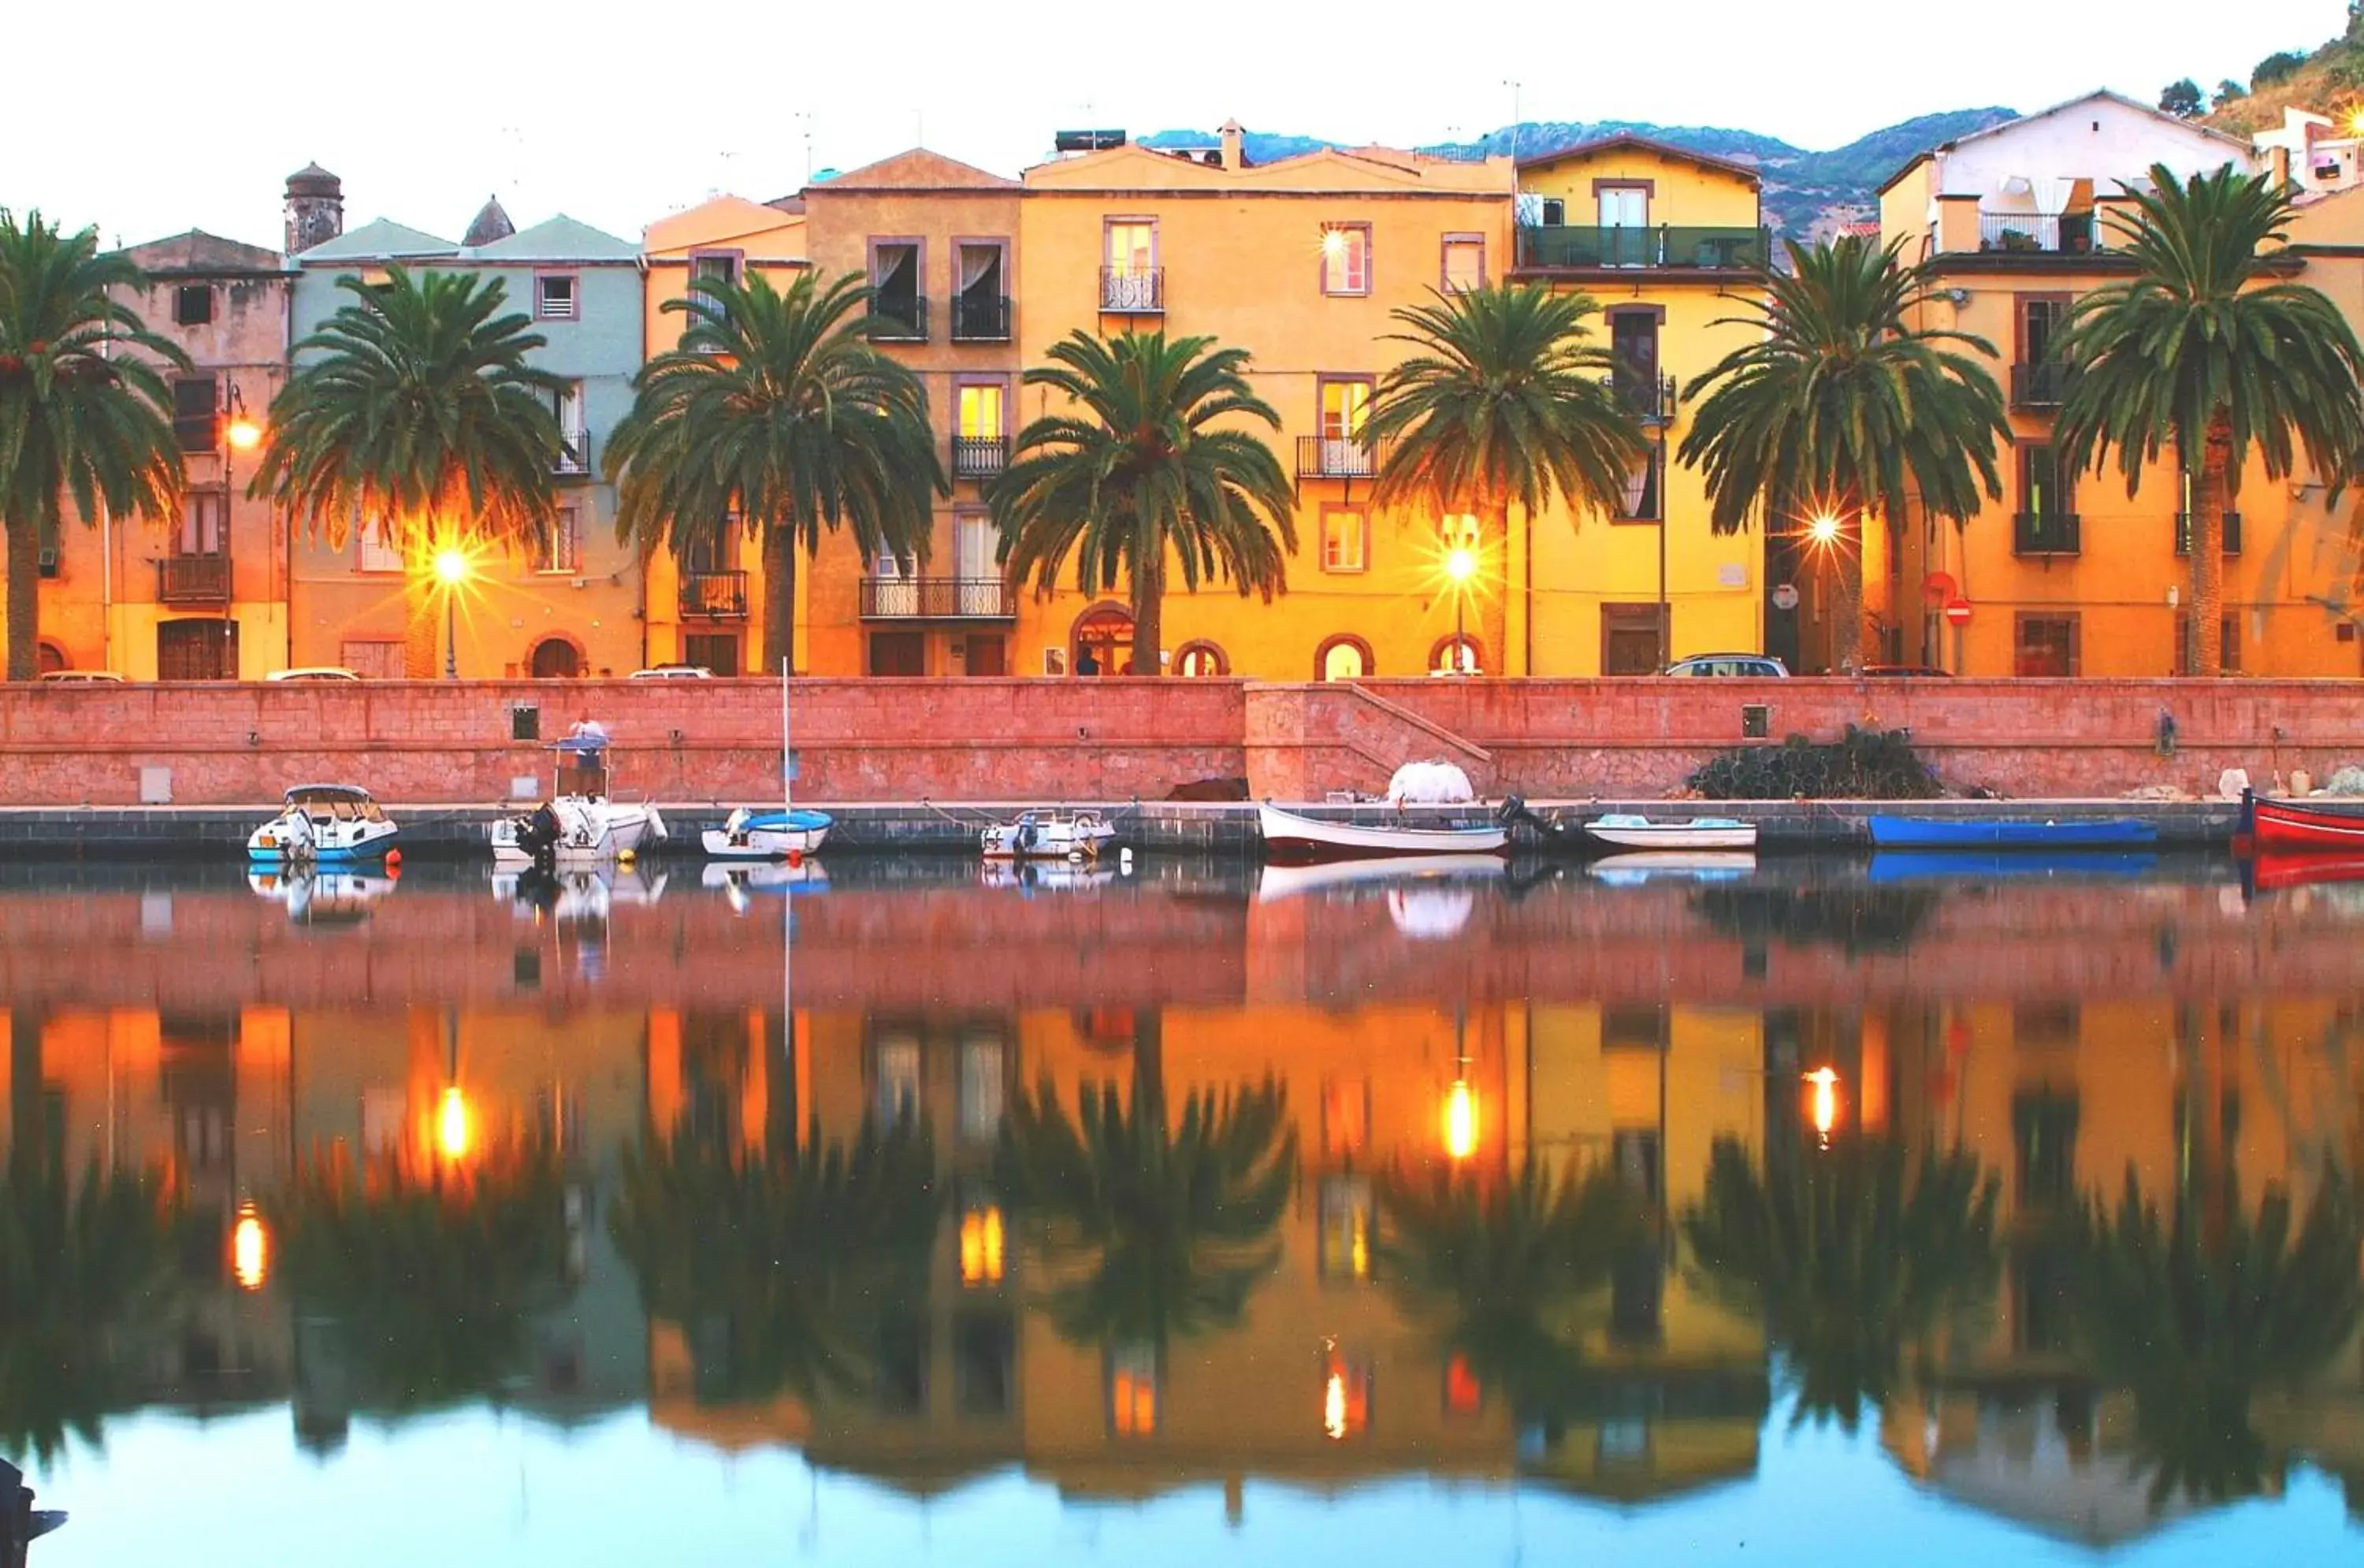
[450, 570]
[1460, 566]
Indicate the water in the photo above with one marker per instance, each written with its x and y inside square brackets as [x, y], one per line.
[1713, 1216]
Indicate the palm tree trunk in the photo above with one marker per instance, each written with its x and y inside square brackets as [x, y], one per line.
[25, 1120]
[2207, 633]
[779, 594]
[24, 598]
[422, 628]
[1148, 623]
[1846, 556]
[1149, 1067]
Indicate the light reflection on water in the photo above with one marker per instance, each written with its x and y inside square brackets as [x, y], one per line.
[1768, 1216]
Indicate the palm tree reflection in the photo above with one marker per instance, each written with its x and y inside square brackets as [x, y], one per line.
[1851, 1254]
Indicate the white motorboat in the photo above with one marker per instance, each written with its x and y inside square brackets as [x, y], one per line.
[324, 897]
[1288, 837]
[579, 825]
[1631, 831]
[1637, 866]
[1047, 836]
[768, 833]
[323, 824]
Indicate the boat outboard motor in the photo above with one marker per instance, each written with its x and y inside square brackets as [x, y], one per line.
[538, 833]
[1553, 833]
[21, 1524]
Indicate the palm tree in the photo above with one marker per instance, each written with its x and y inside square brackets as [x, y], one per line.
[430, 1278]
[1502, 400]
[1148, 472]
[1842, 410]
[2206, 356]
[87, 1286]
[2196, 1311]
[779, 1266]
[414, 409]
[775, 414]
[78, 415]
[1851, 1254]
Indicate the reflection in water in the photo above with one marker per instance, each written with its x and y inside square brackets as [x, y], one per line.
[1157, 1190]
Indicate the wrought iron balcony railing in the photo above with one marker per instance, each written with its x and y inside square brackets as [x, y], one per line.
[1132, 290]
[1548, 246]
[936, 599]
[1653, 403]
[2045, 533]
[898, 319]
[192, 580]
[980, 319]
[1337, 457]
[573, 453]
[714, 596]
[979, 457]
[2038, 385]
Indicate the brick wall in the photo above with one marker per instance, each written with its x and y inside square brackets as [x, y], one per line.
[1001, 740]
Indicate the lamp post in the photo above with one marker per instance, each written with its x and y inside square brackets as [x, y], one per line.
[241, 433]
[450, 570]
[1460, 566]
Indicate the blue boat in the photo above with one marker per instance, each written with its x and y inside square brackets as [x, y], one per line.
[1891, 866]
[2012, 833]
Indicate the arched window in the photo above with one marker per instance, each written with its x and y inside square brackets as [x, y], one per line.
[1200, 658]
[1342, 659]
[53, 658]
[1103, 642]
[1456, 655]
[556, 659]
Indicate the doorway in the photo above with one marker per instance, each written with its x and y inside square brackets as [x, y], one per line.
[1103, 642]
[196, 650]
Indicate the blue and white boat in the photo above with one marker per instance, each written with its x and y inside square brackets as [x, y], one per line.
[768, 833]
[323, 824]
[2012, 833]
[1627, 830]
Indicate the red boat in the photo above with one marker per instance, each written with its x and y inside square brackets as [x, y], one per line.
[2272, 872]
[2309, 826]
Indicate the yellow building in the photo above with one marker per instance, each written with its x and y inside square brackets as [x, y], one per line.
[1667, 241]
[2066, 574]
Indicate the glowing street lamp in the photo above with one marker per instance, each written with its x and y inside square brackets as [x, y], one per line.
[452, 570]
[1823, 530]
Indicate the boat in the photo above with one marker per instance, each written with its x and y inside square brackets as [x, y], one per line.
[2270, 873]
[1048, 876]
[2018, 833]
[739, 881]
[579, 825]
[768, 833]
[1981, 866]
[1281, 881]
[771, 833]
[1047, 836]
[1288, 837]
[1629, 831]
[324, 897]
[2314, 825]
[323, 824]
[1636, 867]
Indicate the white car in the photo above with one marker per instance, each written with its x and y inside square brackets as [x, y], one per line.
[313, 672]
[1758, 666]
[673, 672]
[82, 678]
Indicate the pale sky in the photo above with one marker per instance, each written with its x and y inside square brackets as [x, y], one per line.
[148, 119]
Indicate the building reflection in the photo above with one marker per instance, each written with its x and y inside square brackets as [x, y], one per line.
[1271, 1219]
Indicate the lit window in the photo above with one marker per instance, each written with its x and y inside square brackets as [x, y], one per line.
[980, 411]
[554, 297]
[1345, 1396]
[1345, 538]
[1132, 1390]
[1346, 257]
[1345, 408]
[1346, 1213]
[980, 1245]
[560, 550]
[1464, 262]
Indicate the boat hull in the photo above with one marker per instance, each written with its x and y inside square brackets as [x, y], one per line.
[1290, 838]
[766, 836]
[2290, 827]
[1676, 836]
[2268, 873]
[595, 834]
[2023, 833]
[1694, 865]
[269, 845]
[1046, 838]
[1981, 866]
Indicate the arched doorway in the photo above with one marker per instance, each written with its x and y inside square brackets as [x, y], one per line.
[1455, 655]
[556, 659]
[1103, 642]
[1200, 659]
[1342, 659]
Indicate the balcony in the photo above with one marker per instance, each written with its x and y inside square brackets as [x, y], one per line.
[1559, 248]
[936, 599]
[979, 457]
[2039, 233]
[192, 580]
[2183, 533]
[573, 459]
[1653, 403]
[2038, 385]
[1132, 290]
[898, 319]
[2045, 533]
[981, 318]
[714, 596]
[1330, 457]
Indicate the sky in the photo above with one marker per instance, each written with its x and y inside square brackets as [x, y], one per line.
[148, 119]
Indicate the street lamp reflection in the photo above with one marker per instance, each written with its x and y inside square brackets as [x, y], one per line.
[1460, 1120]
[250, 1250]
[1824, 1109]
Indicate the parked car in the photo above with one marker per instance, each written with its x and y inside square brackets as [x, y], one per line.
[82, 678]
[313, 672]
[672, 673]
[1751, 666]
[1905, 672]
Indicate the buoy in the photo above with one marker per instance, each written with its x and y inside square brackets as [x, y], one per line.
[795, 858]
[626, 857]
[394, 859]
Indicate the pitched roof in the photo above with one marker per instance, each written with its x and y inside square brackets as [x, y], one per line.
[918, 169]
[1631, 140]
[490, 224]
[2098, 95]
[1323, 171]
[723, 221]
[382, 241]
[197, 252]
[558, 238]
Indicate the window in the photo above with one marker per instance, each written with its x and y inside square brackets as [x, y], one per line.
[981, 1244]
[1342, 659]
[1345, 407]
[380, 550]
[1129, 274]
[1464, 262]
[1345, 540]
[973, 538]
[1630, 640]
[1633, 1029]
[2044, 1130]
[898, 653]
[565, 405]
[2045, 645]
[193, 305]
[715, 650]
[897, 308]
[1346, 257]
[984, 1346]
[2043, 487]
[1345, 1117]
[1464, 1394]
[2041, 317]
[1641, 502]
[2228, 631]
[1456, 655]
[1133, 1389]
[980, 435]
[1633, 1155]
[204, 528]
[713, 267]
[1346, 1228]
[193, 402]
[981, 290]
[1623, 206]
[1200, 659]
[895, 1062]
[1554, 212]
[554, 297]
[560, 550]
[1633, 373]
[980, 1090]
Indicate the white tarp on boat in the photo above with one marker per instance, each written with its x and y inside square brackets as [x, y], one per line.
[1434, 783]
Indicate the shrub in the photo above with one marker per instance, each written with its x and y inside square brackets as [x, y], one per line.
[1869, 764]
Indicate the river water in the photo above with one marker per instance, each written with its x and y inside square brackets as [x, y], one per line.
[1820, 1213]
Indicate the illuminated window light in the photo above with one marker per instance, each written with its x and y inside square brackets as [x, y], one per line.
[980, 1246]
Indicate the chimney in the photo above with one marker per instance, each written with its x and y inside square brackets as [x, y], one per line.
[1235, 140]
[316, 208]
